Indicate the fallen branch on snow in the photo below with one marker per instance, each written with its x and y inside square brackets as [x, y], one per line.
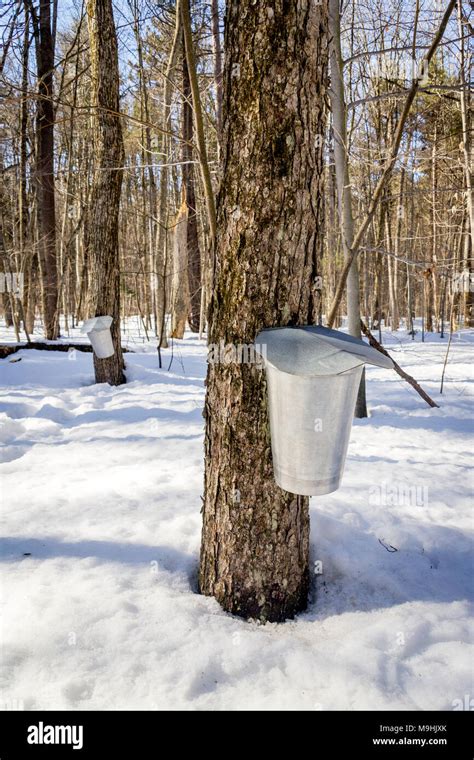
[409, 379]
[7, 350]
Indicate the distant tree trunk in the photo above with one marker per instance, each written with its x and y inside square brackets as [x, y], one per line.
[391, 273]
[332, 225]
[180, 289]
[216, 42]
[395, 314]
[377, 307]
[194, 253]
[339, 115]
[411, 294]
[25, 254]
[101, 226]
[468, 162]
[432, 301]
[255, 540]
[43, 31]
[7, 308]
[162, 238]
[208, 268]
[150, 266]
[8, 296]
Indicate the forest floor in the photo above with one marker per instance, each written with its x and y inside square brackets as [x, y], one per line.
[101, 499]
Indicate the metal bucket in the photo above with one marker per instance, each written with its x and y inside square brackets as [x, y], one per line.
[98, 332]
[310, 424]
[313, 376]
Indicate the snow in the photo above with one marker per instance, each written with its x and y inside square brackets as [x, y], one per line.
[101, 492]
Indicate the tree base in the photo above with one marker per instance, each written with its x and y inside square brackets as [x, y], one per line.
[278, 606]
[109, 371]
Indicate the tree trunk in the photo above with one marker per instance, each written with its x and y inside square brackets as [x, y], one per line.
[432, 288]
[391, 272]
[200, 143]
[198, 116]
[101, 228]
[180, 289]
[25, 254]
[255, 539]
[194, 253]
[332, 226]
[152, 194]
[216, 45]
[395, 314]
[468, 156]
[45, 170]
[162, 238]
[344, 192]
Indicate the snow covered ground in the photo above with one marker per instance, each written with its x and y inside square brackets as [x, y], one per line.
[101, 521]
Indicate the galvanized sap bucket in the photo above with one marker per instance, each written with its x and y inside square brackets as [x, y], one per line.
[313, 375]
[98, 332]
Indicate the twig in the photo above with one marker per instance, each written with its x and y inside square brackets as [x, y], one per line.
[449, 343]
[388, 547]
[172, 354]
[409, 379]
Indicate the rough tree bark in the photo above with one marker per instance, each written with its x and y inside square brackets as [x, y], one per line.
[255, 539]
[101, 225]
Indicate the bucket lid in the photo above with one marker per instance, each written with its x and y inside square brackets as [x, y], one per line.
[312, 350]
[96, 323]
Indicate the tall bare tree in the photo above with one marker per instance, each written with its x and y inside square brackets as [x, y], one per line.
[193, 249]
[468, 157]
[101, 228]
[217, 50]
[44, 24]
[343, 182]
